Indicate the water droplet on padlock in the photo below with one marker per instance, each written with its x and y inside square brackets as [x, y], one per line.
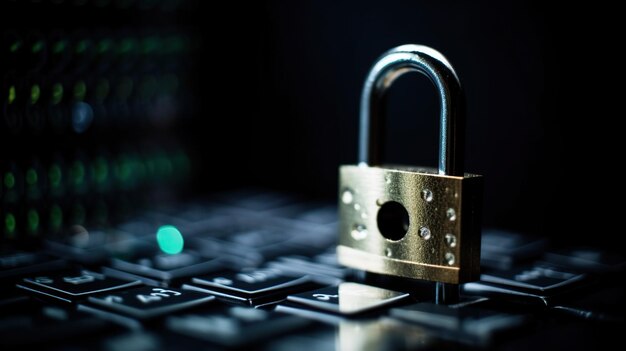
[424, 233]
[427, 195]
[363, 215]
[359, 232]
[347, 196]
[357, 207]
[451, 214]
[388, 252]
[380, 202]
[451, 240]
[450, 258]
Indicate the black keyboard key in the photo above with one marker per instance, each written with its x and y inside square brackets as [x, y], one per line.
[87, 247]
[236, 326]
[148, 302]
[345, 299]
[588, 260]
[318, 271]
[72, 286]
[252, 285]
[35, 326]
[502, 249]
[14, 264]
[539, 283]
[538, 278]
[166, 267]
[471, 323]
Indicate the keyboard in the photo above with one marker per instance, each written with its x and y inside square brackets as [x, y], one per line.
[257, 270]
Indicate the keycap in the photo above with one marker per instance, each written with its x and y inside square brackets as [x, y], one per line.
[236, 326]
[346, 298]
[533, 283]
[251, 285]
[472, 323]
[148, 302]
[588, 260]
[87, 247]
[502, 249]
[318, 271]
[14, 264]
[72, 286]
[41, 326]
[166, 267]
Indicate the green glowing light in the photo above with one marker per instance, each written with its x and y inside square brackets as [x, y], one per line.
[32, 218]
[126, 45]
[15, 46]
[56, 217]
[35, 92]
[59, 46]
[31, 177]
[9, 180]
[9, 223]
[11, 94]
[104, 45]
[170, 239]
[149, 44]
[80, 89]
[55, 176]
[101, 170]
[57, 93]
[81, 46]
[78, 173]
[37, 46]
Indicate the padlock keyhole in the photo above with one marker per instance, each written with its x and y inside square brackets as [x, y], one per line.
[393, 220]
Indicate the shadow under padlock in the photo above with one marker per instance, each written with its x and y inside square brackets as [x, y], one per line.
[404, 221]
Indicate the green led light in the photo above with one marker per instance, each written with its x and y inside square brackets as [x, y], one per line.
[55, 176]
[11, 94]
[101, 170]
[170, 239]
[32, 218]
[9, 223]
[126, 45]
[59, 46]
[34, 94]
[78, 173]
[56, 217]
[81, 46]
[15, 46]
[80, 89]
[31, 177]
[148, 45]
[37, 46]
[104, 45]
[9, 180]
[57, 93]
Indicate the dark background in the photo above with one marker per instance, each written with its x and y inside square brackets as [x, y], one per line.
[542, 102]
[273, 92]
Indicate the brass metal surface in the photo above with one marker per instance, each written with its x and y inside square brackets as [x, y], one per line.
[448, 206]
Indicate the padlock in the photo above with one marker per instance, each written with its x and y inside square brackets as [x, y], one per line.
[412, 222]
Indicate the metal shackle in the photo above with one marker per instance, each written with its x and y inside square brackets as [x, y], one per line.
[393, 64]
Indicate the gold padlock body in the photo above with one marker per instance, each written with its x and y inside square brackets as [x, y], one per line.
[444, 205]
